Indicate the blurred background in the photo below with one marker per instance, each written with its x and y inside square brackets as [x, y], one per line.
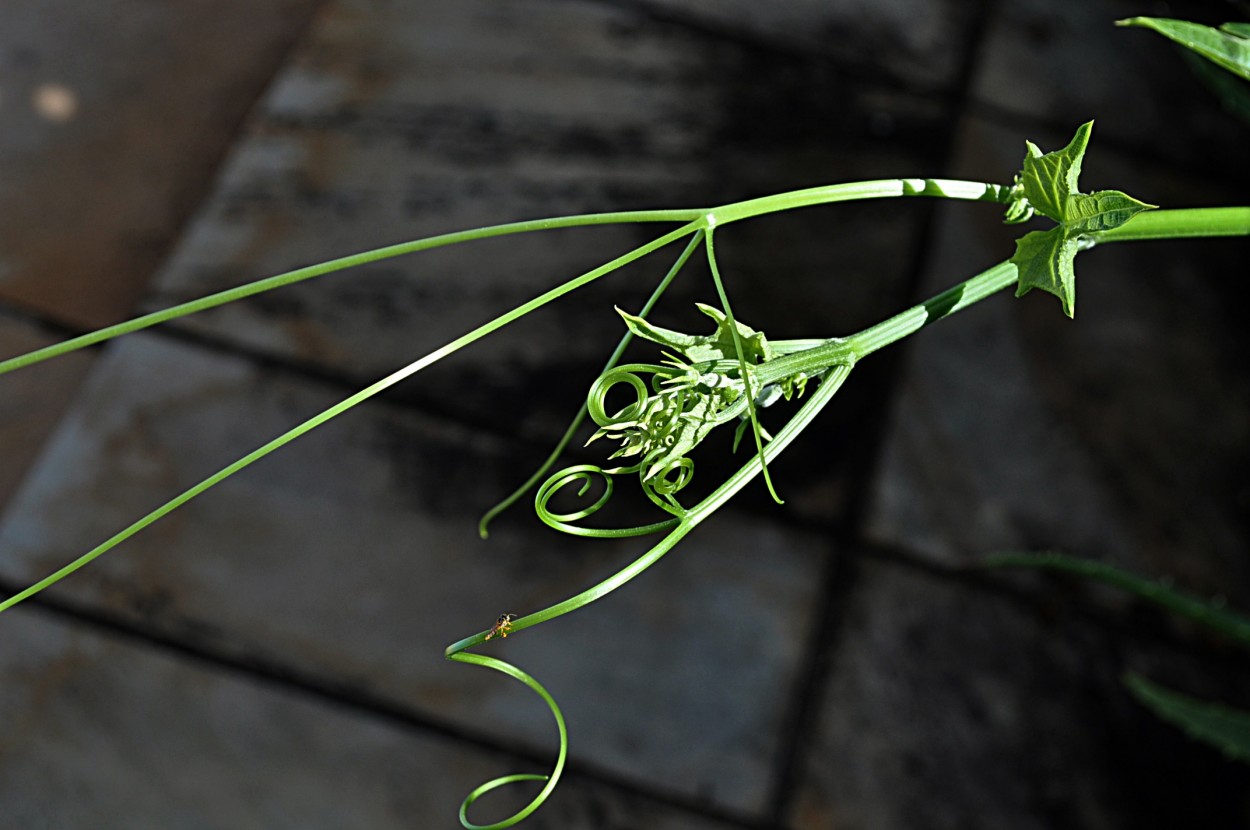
[271, 655]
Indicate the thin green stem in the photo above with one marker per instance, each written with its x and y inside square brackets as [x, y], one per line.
[1155, 224]
[701, 218]
[830, 384]
[1180, 223]
[854, 191]
[552, 779]
[340, 264]
[348, 403]
[956, 298]
[458, 651]
[748, 392]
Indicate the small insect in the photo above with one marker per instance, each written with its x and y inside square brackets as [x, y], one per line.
[502, 626]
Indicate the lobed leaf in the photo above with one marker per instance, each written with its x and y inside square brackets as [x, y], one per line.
[1101, 211]
[1050, 178]
[1043, 259]
[1047, 184]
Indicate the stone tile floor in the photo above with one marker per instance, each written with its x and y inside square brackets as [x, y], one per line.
[270, 655]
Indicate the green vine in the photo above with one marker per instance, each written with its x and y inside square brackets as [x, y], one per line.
[701, 382]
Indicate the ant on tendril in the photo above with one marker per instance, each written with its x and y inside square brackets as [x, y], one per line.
[502, 626]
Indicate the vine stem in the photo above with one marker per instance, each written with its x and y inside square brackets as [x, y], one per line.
[578, 419]
[696, 219]
[831, 381]
[1149, 225]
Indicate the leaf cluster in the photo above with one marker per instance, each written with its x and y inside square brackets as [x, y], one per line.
[1048, 185]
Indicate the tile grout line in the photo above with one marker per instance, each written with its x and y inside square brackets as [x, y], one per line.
[841, 570]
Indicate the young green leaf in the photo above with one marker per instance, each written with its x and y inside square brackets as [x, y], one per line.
[1043, 260]
[1101, 211]
[1048, 182]
[1228, 46]
[699, 349]
[1050, 178]
[1220, 726]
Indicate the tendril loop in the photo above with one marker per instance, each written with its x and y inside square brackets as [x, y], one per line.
[456, 653]
[585, 474]
[627, 374]
[672, 477]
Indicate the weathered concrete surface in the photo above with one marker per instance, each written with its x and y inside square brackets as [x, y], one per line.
[950, 707]
[398, 120]
[105, 732]
[353, 556]
[113, 116]
[32, 403]
[350, 559]
[919, 44]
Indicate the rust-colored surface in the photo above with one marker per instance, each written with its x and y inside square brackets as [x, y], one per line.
[113, 118]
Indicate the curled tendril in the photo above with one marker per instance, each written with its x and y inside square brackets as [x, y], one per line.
[585, 474]
[668, 480]
[457, 653]
[627, 374]
[668, 420]
[688, 520]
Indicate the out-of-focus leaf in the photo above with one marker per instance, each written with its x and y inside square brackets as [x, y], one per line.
[1215, 724]
[1228, 46]
[1211, 614]
[1233, 92]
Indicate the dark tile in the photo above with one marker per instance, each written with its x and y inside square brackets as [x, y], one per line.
[951, 707]
[352, 557]
[105, 734]
[918, 43]
[115, 116]
[412, 120]
[32, 401]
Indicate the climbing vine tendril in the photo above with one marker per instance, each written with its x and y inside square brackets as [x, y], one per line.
[700, 382]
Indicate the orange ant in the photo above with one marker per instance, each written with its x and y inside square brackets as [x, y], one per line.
[502, 626]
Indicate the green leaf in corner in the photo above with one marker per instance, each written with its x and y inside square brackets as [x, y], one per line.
[1043, 259]
[1220, 726]
[1228, 46]
[1233, 92]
